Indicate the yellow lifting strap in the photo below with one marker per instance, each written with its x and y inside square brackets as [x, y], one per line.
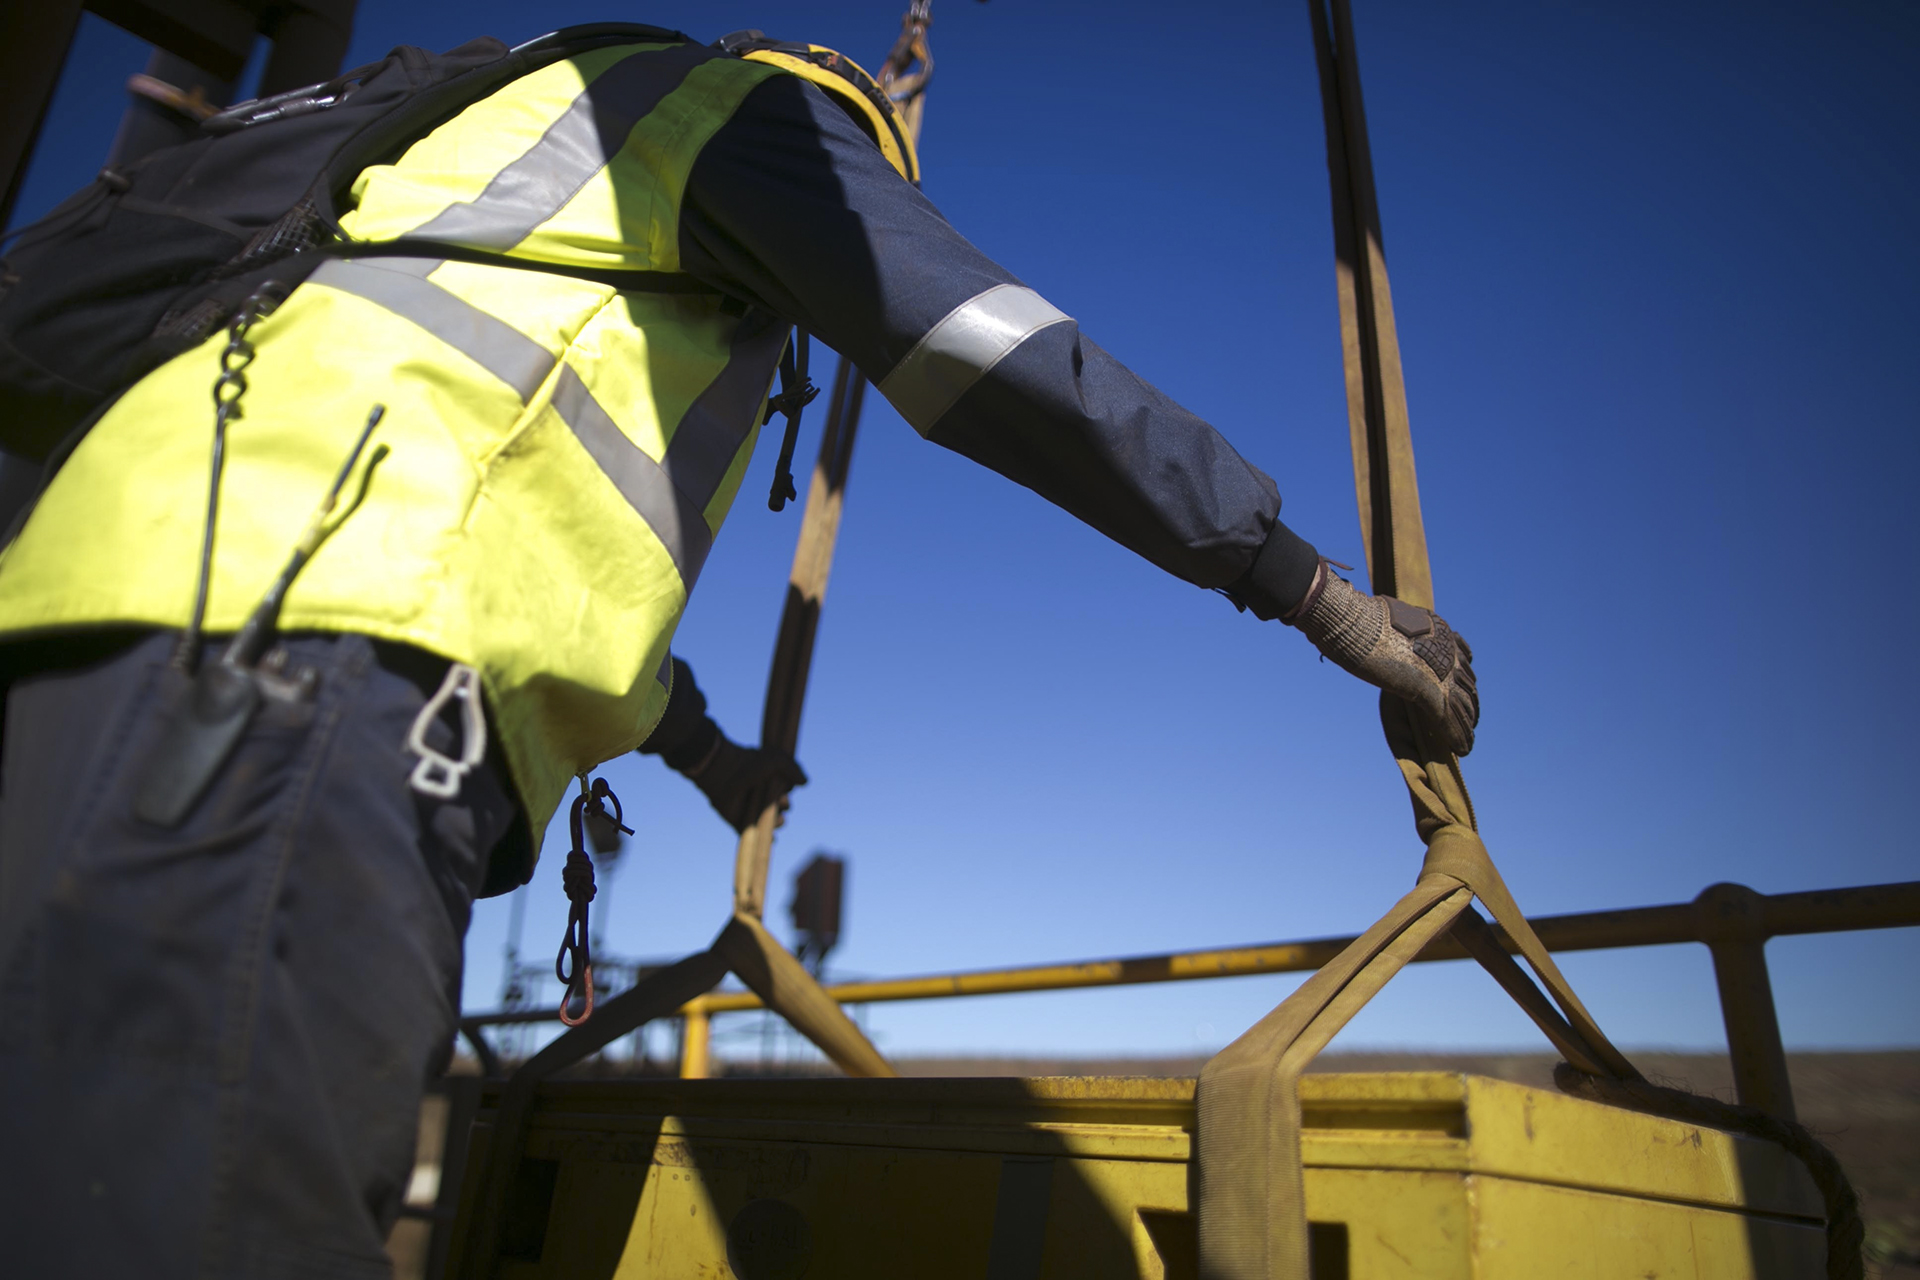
[1251, 1206]
[788, 989]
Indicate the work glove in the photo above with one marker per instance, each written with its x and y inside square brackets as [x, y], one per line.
[740, 782]
[1410, 652]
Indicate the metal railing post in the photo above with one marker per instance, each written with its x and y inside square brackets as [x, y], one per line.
[1731, 920]
[463, 1104]
[696, 1027]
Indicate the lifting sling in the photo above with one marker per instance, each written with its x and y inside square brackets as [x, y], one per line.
[1251, 1206]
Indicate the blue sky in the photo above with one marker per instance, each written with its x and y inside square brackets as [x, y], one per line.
[1654, 275]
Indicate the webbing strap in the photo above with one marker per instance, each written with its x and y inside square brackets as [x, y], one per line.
[1443, 814]
[1252, 1208]
[800, 621]
[1251, 1187]
[743, 947]
[813, 551]
[782, 982]
[657, 995]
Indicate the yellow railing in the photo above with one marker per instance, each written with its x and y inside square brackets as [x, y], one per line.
[1733, 921]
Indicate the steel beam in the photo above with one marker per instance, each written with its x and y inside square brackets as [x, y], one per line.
[310, 39]
[34, 38]
[309, 43]
[215, 35]
[1731, 920]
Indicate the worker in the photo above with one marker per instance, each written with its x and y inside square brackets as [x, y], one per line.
[222, 989]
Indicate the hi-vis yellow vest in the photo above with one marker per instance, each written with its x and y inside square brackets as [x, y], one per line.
[561, 453]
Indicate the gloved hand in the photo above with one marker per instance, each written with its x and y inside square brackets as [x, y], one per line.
[1408, 651]
[740, 782]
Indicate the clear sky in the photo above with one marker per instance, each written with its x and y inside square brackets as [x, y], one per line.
[1654, 273]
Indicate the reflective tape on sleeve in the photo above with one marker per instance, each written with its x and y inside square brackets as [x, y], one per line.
[400, 285]
[957, 352]
[680, 525]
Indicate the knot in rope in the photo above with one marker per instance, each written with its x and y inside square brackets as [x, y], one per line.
[573, 966]
[577, 879]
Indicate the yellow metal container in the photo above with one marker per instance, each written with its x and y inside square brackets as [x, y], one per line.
[1425, 1175]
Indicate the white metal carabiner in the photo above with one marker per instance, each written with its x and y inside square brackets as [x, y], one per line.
[438, 775]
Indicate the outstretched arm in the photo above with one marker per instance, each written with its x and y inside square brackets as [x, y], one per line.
[792, 207]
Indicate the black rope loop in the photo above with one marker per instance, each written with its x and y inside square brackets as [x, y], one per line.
[599, 796]
[573, 966]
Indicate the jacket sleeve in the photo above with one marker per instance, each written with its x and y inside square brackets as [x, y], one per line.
[792, 207]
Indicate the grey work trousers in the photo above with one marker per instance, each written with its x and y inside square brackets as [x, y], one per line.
[214, 1040]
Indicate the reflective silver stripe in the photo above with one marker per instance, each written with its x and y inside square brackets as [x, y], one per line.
[672, 496]
[957, 352]
[721, 417]
[532, 189]
[674, 518]
[399, 285]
